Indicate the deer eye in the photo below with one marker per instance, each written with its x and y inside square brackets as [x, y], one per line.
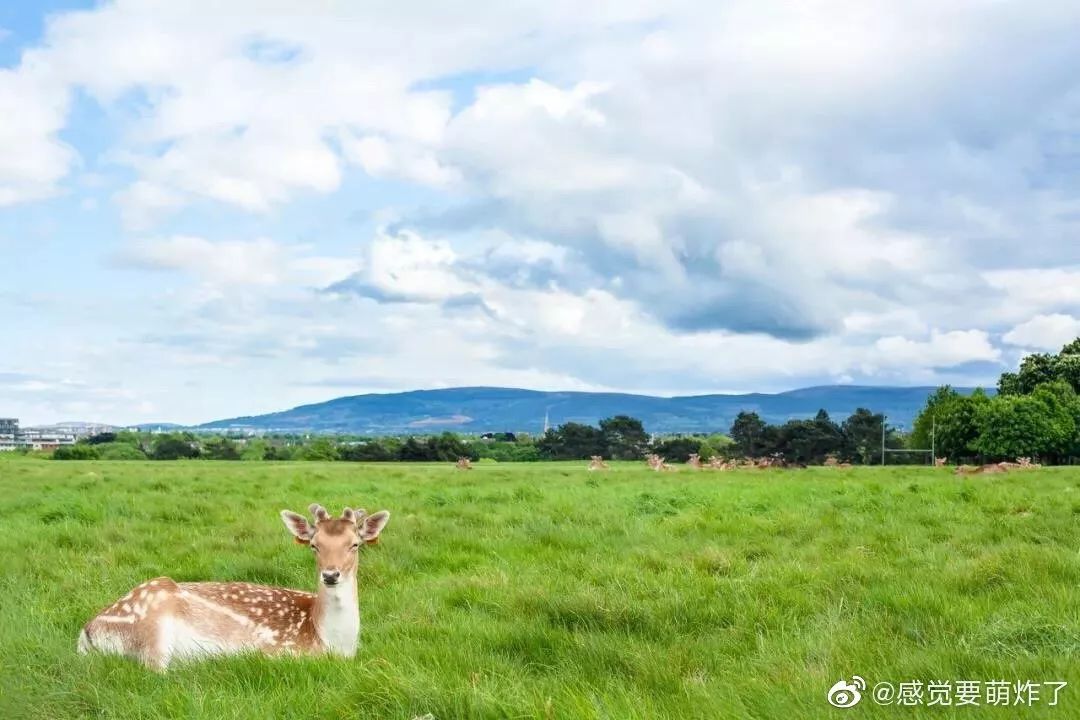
[315, 548]
[355, 546]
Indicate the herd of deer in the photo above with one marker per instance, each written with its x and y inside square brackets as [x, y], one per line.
[657, 463]
[1022, 463]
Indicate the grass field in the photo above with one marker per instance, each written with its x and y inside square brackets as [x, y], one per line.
[541, 590]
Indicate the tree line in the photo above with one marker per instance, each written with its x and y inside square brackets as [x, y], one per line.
[1035, 414]
[622, 437]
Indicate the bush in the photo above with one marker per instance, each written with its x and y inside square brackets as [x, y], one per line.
[76, 452]
[119, 451]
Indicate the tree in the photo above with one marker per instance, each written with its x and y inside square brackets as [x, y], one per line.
[414, 451]
[1041, 368]
[119, 451]
[447, 446]
[749, 433]
[175, 446]
[862, 436]
[80, 451]
[948, 423]
[624, 437]
[319, 449]
[677, 449]
[221, 448]
[1012, 426]
[571, 441]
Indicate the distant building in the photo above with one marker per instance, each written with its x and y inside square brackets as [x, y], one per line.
[9, 434]
[14, 438]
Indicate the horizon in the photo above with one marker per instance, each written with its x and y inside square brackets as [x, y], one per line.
[163, 423]
[629, 197]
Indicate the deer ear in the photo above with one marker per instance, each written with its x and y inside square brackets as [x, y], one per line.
[298, 526]
[372, 526]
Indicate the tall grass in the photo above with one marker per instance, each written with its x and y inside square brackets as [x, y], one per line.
[541, 590]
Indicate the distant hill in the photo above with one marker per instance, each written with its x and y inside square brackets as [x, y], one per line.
[482, 409]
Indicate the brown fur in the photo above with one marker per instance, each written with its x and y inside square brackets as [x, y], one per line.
[160, 618]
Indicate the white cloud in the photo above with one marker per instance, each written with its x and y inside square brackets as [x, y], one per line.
[741, 194]
[32, 157]
[1045, 332]
[236, 262]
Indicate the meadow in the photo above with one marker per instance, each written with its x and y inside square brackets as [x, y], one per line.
[539, 590]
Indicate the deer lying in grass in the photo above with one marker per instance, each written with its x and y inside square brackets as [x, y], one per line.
[657, 463]
[940, 462]
[718, 463]
[162, 620]
[694, 462]
[596, 462]
[464, 463]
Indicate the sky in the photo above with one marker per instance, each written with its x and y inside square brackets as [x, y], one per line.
[215, 209]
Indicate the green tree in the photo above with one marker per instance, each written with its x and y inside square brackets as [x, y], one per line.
[79, 451]
[175, 446]
[677, 449]
[319, 449]
[862, 437]
[571, 441]
[1012, 426]
[749, 433]
[119, 451]
[220, 448]
[624, 437]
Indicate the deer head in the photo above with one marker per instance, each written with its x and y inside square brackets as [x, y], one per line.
[335, 541]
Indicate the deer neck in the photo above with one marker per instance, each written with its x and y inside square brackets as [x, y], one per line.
[337, 616]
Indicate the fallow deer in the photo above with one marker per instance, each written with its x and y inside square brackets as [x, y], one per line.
[464, 463]
[940, 462]
[718, 463]
[162, 620]
[694, 462]
[597, 463]
[657, 463]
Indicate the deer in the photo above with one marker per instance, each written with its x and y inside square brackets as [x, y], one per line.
[596, 462]
[717, 463]
[464, 463]
[694, 462]
[161, 621]
[657, 463]
[940, 462]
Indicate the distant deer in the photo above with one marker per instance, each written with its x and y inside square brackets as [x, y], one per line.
[597, 463]
[464, 463]
[1024, 463]
[694, 461]
[988, 469]
[161, 620]
[718, 463]
[657, 463]
[940, 462]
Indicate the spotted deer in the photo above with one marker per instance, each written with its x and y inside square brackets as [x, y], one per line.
[162, 620]
[596, 462]
[657, 463]
[464, 463]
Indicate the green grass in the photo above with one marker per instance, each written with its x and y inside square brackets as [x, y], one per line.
[544, 591]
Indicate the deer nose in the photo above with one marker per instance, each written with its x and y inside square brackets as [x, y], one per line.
[330, 577]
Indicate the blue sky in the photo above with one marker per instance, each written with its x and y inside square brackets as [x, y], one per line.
[207, 214]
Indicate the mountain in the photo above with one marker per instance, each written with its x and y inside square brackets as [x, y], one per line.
[482, 409]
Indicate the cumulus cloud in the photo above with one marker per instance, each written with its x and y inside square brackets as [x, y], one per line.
[718, 195]
[1045, 332]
